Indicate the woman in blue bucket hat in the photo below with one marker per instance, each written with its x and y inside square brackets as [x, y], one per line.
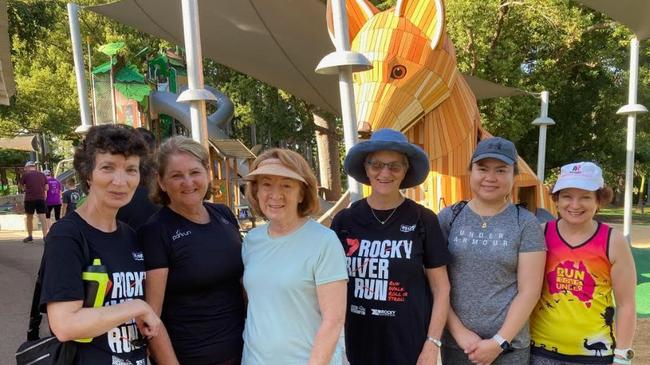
[396, 257]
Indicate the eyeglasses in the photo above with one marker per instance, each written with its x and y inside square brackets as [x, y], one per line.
[395, 166]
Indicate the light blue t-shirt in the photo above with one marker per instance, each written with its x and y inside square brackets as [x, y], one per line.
[280, 277]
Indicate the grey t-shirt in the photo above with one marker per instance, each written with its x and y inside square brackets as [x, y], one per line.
[483, 272]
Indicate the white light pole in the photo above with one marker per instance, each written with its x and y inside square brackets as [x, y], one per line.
[344, 62]
[77, 53]
[196, 94]
[543, 122]
[631, 110]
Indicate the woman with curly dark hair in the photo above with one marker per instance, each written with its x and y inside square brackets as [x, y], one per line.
[107, 162]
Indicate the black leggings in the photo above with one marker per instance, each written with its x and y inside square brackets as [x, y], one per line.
[57, 211]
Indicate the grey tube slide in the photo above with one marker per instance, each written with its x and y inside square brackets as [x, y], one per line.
[165, 102]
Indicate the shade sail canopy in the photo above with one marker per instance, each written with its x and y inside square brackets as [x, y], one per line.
[634, 14]
[279, 42]
[484, 89]
[20, 143]
[7, 86]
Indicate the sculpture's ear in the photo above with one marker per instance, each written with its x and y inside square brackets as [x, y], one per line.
[359, 11]
[427, 15]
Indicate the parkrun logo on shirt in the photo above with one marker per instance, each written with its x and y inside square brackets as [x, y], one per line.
[180, 234]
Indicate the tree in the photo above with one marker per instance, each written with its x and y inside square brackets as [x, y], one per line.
[575, 53]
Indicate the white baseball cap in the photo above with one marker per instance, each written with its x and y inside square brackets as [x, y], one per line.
[580, 175]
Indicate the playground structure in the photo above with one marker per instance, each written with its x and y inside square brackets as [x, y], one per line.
[415, 86]
[123, 95]
[427, 97]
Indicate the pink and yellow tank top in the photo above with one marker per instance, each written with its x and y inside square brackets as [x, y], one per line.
[574, 318]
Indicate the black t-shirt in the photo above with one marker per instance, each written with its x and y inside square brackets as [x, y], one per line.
[203, 309]
[389, 298]
[71, 197]
[138, 210]
[122, 256]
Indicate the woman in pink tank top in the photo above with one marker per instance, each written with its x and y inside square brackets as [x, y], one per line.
[586, 313]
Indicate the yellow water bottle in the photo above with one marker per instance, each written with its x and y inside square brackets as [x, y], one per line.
[95, 279]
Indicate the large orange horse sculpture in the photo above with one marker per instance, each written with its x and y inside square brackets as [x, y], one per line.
[415, 86]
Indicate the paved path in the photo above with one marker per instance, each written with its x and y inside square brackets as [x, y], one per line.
[18, 265]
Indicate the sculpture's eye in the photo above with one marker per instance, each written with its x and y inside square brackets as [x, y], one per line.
[398, 72]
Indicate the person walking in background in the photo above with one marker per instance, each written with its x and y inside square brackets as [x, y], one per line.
[71, 196]
[587, 312]
[34, 185]
[53, 200]
[294, 269]
[497, 267]
[107, 162]
[398, 293]
[192, 253]
[140, 208]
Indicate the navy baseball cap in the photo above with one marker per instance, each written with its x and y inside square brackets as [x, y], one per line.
[495, 147]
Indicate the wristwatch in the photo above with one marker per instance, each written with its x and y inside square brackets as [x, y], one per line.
[626, 354]
[503, 343]
[435, 341]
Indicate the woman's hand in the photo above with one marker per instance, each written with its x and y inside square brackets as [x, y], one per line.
[429, 354]
[148, 322]
[466, 339]
[484, 352]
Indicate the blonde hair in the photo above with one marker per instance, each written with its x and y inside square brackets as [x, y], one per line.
[174, 146]
[296, 163]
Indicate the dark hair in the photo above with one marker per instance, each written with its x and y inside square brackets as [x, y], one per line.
[174, 146]
[604, 195]
[71, 181]
[147, 165]
[149, 138]
[107, 138]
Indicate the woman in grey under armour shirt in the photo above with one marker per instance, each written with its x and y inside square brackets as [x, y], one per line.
[496, 273]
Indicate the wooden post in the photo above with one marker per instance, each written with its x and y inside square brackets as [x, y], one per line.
[236, 182]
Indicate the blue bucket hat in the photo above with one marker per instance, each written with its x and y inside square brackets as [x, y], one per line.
[387, 139]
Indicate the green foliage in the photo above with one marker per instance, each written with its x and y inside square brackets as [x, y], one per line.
[13, 158]
[277, 118]
[580, 56]
[104, 67]
[46, 98]
[135, 91]
[129, 73]
[111, 49]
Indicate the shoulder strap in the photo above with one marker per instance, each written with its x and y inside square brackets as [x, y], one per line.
[455, 210]
[35, 316]
[422, 232]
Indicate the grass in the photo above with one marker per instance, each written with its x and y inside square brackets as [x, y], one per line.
[615, 215]
[642, 261]
[641, 256]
